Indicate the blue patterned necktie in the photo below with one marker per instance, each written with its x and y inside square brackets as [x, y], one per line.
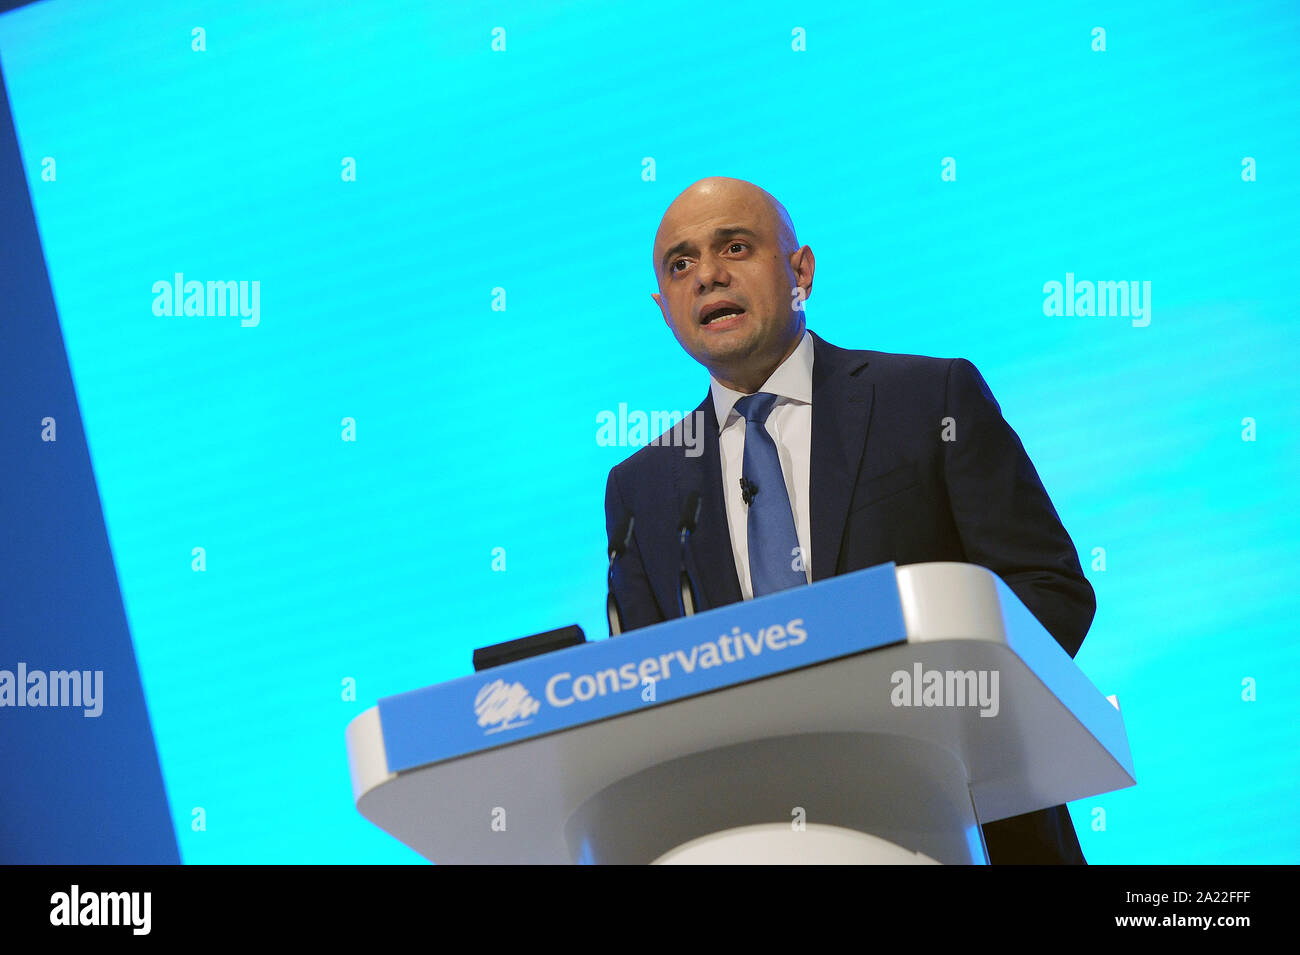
[773, 542]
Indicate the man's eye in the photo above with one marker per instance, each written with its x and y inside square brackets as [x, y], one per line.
[673, 266]
[735, 244]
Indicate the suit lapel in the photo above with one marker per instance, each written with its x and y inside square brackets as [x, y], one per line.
[841, 414]
[709, 556]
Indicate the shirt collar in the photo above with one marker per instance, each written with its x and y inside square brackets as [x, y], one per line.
[791, 380]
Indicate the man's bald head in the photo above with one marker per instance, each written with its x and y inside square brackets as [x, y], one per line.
[716, 189]
[732, 279]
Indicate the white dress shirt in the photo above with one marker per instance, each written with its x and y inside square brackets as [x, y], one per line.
[790, 425]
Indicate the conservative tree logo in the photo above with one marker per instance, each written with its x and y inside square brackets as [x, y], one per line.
[504, 706]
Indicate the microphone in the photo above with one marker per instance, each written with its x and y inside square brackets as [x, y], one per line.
[747, 490]
[686, 601]
[621, 541]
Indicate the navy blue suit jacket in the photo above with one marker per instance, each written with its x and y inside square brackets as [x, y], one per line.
[884, 486]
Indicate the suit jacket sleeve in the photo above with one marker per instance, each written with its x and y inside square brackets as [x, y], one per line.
[636, 600]
[1004, 517]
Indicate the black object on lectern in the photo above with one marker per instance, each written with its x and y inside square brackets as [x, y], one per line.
[501, 653]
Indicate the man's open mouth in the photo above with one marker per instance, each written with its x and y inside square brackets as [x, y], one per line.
[721, 312]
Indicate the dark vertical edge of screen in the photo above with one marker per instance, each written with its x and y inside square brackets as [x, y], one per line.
[74, 789]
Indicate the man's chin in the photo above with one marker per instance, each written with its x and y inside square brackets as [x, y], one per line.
[722, 358]
[726, 349]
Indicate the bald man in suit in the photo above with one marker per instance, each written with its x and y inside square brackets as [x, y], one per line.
[857, 438]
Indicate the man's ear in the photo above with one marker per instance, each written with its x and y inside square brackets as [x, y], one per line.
[660, 302]
[802, 265]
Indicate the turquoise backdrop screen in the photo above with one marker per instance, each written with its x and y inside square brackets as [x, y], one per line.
[379, 446]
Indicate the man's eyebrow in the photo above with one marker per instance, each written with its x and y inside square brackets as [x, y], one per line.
[718, 235]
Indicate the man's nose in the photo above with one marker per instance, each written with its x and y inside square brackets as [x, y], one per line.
[712, 270]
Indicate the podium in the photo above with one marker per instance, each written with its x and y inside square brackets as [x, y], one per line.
[876, 717]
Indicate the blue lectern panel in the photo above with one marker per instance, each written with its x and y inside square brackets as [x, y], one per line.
[651, 667]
